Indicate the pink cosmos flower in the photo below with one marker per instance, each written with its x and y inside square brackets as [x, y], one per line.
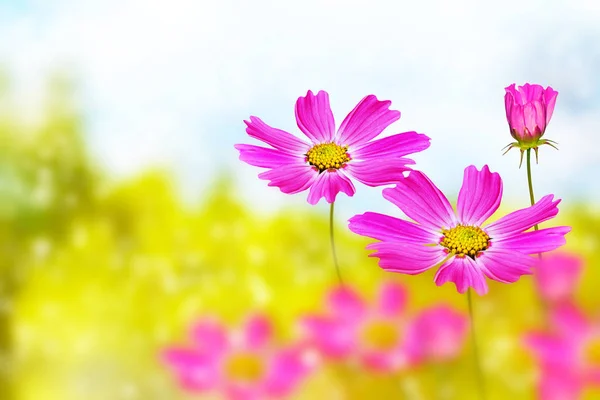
[557, 275]
[465, 250]
[437, 334]
[242, 365]
[373, 336]
[323, 165]
[528, 112]
[569, 356]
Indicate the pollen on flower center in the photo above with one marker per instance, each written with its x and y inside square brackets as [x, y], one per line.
[380, 335]
[326, 156]
[465, 240]
[244, 367]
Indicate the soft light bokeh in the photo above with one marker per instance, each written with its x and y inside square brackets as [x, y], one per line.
[125, 215]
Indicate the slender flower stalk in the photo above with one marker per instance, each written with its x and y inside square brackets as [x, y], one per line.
[530, 184]
[332, 241]
[476, 359]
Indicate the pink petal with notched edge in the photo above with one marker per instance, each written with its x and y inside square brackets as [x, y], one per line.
[379, 172]
[277, 138]
[292, 178]
[393, 146]
[265, 158]
[328, 184]
[332, 336]
[209, 336]
[314, 117]
[422, 201]
[406, 258]
[523, 219]
[383, 227]
[533, 242]
[392, 299]
[465, 273]
[550, 96]
[346, 303]
[531, 92]
[257, 332]
[504, 265]
[194, 371]
[367, 120]
[557, 276]
[479, 196]
[287, 369]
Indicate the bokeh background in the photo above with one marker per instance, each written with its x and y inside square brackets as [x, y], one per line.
[125, 214]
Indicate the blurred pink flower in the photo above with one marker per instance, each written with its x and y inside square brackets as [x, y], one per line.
[557, 275]
[528, 112]
[437, 334]
[374, 336]
[323, 164]
[568, 356]
[242, 365]
[465, 251]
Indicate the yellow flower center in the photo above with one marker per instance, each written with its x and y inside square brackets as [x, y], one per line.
[326, 156]
[244, 367]
[464, 240]
[380, 335]
[591, 352]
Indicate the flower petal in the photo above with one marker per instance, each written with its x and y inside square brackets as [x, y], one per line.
[557, 276]
[287, 368]
[331, 336]
[314, 117]
[523, 219]
[406, 258]
[392, 299]
[209, 336]
[388, 361]
[257, 332]
[379, 172]
[346, 303]
[290, 179]
[533, 242]
[277, 138]
[438, 333]
[479, 196]
[572, 323]
[422, 201]
[506, 266]
[383, 227]
[393, 146]
[550, 96]
[367, 120]
[465, 273]
[194, 371]
[264, 157]
[328, 184]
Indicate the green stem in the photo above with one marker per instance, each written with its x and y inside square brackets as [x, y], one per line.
[530, 183]
[335, 259]
[478, 371]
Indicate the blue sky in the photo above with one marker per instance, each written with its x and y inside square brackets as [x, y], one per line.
[169, 82]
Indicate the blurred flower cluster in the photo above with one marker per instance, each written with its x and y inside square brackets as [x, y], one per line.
[381, 338]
